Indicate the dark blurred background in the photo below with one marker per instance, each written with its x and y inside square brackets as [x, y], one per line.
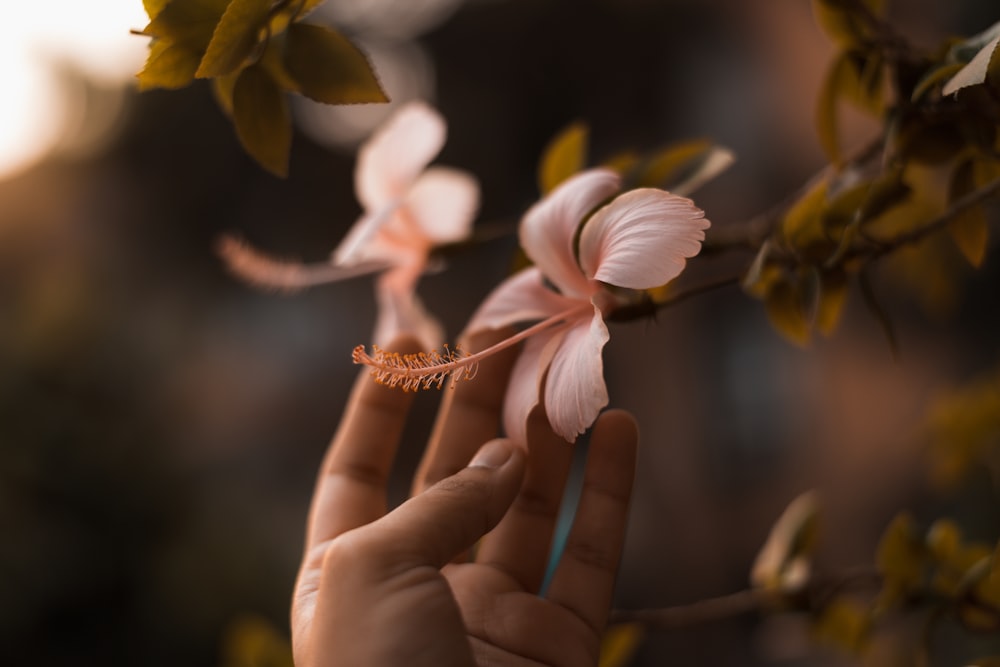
[161, 424]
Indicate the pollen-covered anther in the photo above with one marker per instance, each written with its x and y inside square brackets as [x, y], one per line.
[420, 370]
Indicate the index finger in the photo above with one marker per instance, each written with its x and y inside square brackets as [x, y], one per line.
[351, 487]
[469, 414]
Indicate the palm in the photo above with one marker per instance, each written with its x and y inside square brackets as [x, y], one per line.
[507, 625]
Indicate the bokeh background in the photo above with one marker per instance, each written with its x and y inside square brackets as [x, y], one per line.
[161, 424]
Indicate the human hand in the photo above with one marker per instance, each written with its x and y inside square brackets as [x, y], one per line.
[379, 588]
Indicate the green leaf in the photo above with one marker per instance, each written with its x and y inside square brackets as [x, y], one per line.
[188, 22]
[260, 114]
[329, 68]
[168, 65]
[234, 38]
[969, 228]
[564, 156]
[900, 558]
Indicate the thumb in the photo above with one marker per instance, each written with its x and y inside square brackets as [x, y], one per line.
[449, 517]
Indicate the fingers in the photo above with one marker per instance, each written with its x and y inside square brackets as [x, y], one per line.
[584, 579]
[520, 544]
[350, 490]
[433, 527]
[469, 414]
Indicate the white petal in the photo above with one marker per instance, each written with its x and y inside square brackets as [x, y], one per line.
[390, 161]
[526, 380]
[549, 227]
[400, 311]
[641, 239]
[574, 389]
[521, 298]
[443, 203]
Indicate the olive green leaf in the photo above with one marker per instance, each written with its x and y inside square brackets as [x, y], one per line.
[234, 38]
[260, 114]
[169, 65]
[189, 22]
[969, 229]
[329, 68]
[564, 156]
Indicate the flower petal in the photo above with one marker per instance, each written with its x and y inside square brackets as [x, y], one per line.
[521, 298]
[396, 153]
[443, 203]
[356, 245]
[401, 311]
[549, 227]
[526, 381]
[574, 390]
[641, 239]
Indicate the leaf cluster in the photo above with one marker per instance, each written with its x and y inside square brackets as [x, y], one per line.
[935, 161]
[255, 52]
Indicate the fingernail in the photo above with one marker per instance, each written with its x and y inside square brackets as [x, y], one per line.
[492, 455]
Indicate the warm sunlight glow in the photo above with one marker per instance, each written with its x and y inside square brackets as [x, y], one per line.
[37, 41]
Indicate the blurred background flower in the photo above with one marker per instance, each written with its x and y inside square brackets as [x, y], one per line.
[161, 423]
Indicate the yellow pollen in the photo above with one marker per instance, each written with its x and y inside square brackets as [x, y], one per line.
[420, 370]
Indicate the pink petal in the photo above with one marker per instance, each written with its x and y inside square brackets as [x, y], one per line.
[526, 380]
[396, 153]
[356, 245]
[549, 227]
[443, 203]
[641, 239]
[574, 390]
[401, 311]
[522, 297]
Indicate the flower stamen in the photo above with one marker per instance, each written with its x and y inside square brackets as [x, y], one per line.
[424, 370]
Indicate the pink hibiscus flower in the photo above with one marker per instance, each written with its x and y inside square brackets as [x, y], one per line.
[639, 240]
[408, 210]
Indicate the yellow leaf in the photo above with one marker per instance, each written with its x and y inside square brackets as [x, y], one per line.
[787, 309]
[845, 24]
[188, 22]
[619, 644]
[260, 114]
[251, 641]
[664, 166]
[844, 623]
[969, 228]
[168, 65]
[565, 155]
[802, 225]
[234, 38]
[852, 76]
[329, 68]
[900, 558]
[624, 163]
[933, 78]
[832, 297]
[154, 7]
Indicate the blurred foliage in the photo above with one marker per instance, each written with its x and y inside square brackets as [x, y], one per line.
[935, 162]
[964, 431]
[255, 52]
